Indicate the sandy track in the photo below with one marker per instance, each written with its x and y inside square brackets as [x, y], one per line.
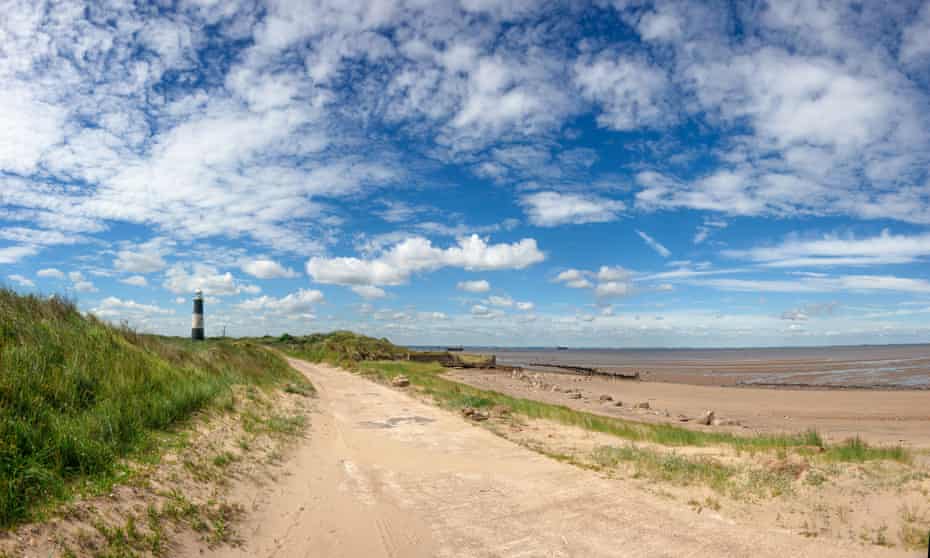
[384, 475]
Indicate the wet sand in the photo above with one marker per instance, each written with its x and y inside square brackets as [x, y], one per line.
[883, 366]
[878, 416]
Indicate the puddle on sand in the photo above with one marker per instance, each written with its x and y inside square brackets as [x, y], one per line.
[395, 421]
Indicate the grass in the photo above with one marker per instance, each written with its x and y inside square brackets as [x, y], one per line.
[668, 467]
[77, 395]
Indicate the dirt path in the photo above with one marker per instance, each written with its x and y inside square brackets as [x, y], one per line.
[384, 475]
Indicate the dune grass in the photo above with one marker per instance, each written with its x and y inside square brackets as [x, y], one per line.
[76, 394]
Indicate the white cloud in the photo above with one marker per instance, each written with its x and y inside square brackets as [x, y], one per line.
[301, 302]
[615, 273]
[612, 289]
[112, 307]
[268, 269]
[654, 244]
[832, 250]
[551, 209]
[863, 283]
[579, 284]
[181, 279]
[80, 284]
[21, 281]
[417, 254]
[12, 254]
[707, 228]
[915, 38]
[630, 92]
[84, 287]
[146, 257]
[369, 291]
[525, 306]
[51, 273]
[502, 301]
[569, 275]
[136, 281]
[481, 311]
[477, 286]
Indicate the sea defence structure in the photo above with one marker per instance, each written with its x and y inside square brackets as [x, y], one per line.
[197, 321]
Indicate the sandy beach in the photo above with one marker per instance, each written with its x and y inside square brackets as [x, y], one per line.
[879, 366]
[877, 416]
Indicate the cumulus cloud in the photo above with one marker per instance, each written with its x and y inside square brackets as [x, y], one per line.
[21, 281]
[146, 257]
[136, 281]
[268, 269]
[369, 291]
[301, 302]
[574, 278]
[477, 286]
[551, 209]
[417, 254]
[12, 254]
[630, 92]
[51, 273]
[113, 308]
[182, 279]
[502, 301]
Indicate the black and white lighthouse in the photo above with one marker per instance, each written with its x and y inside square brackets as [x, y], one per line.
[197, 322]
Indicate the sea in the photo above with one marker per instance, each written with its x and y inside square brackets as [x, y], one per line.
[862, 366]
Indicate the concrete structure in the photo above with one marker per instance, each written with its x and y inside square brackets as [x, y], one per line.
[197, 322]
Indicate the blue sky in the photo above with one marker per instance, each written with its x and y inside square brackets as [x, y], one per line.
[499, 173]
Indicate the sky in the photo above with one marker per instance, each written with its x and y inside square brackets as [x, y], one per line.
[477, 172]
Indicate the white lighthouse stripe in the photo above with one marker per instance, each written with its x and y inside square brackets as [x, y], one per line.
[197, 322]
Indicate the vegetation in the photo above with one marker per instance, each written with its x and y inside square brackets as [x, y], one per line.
[342, 348]
[76, 394]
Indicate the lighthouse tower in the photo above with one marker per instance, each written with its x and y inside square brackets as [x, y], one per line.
[197, 322]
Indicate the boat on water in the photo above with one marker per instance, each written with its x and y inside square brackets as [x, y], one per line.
[456, 349]
[561, 348]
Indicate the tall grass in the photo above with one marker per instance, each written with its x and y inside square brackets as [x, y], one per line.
[77, 394]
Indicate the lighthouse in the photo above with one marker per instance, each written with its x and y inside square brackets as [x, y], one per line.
[197, 322]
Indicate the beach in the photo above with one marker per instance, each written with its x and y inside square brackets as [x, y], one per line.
[878, 366]
[680, 385]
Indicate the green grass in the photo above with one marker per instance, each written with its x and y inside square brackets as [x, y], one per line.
[855, 450]
[76, 395]
[668, 467]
